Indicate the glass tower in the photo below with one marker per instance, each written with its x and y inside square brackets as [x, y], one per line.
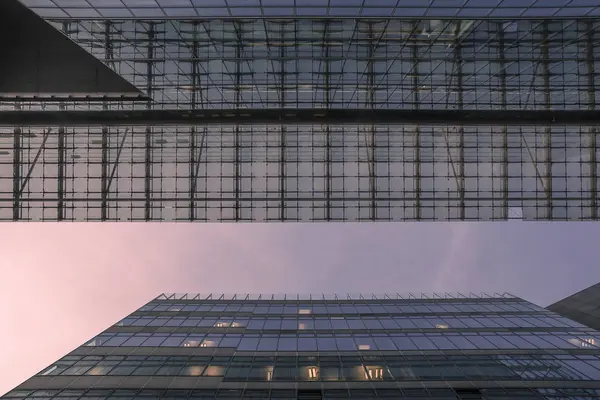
[315, 110]
[440, 346]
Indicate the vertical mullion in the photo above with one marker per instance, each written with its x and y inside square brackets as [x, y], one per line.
[282, 127]
[416, 100]
[592, 130]
[371, 100]
[17, 142]
[502, 77]
[148, 137]
[61, 169]
[327, 127]
[192, 172]
[548, 130]
[461, 145]
[238, 82]
[104, 172]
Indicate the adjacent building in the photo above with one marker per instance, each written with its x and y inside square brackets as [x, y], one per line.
[441, 346]
[583, 307]
[312, 110]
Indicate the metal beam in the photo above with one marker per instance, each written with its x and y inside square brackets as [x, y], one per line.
[591, 73]
[17, 171]
[148, 153]
[371, 105]
[304, 116]
[503, 105]
[460, 179]
[105, 145]
[416, 102]
[62, 150]
[193, 104]
[236, 139]
[326, 46]
[548, 130]
[282, 127]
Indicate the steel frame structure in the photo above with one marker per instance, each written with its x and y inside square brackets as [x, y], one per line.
[316, 119]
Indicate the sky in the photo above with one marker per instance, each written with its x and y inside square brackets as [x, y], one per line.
[63, 283]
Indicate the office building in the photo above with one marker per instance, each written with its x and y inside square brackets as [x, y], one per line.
[583, 307]
[303, 110]
[441, 346]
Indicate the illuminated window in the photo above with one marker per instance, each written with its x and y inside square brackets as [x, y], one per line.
[364, 347]
[193, 370]
[269, 373]
[191, 343]
[313, 373]
[208, 343]
[585, 342]
[304, 311]
[222, 324]
[50, 370]
[214, 370]
[441, 326]
[374, 373]
[301, 325]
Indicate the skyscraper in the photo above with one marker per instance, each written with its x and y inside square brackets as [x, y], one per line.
[310, 110]
[201, 346]
[583, 306]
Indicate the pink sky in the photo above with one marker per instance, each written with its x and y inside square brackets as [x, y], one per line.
[63, 283]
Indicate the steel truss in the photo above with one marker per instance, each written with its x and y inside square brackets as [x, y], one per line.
[316, 119]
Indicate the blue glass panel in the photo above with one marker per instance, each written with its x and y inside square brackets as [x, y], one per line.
[345, 343]
[268, 343]
[248, 344]
[403, 342]
[307, 344]
[287, 343]
[326, 344]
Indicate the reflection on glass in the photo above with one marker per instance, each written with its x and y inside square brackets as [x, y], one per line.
[441, 326]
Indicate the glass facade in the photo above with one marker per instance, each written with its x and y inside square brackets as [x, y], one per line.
[326, 346]
[315, 119]
[312, 8]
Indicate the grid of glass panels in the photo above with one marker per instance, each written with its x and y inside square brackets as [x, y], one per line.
[312, 8]
[320, 172]
[241, 345]
[275, 394]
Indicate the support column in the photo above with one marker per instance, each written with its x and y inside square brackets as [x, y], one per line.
[503, 105]
[461, 144]
[62, 150]
[548, 129]
[371, 103]
[593, 130]
[17, 142]
[416, 105]
[148, 155]
[193, 105]
[61, 169]
[237, 145]
[108, 53]
[327, 83]
[282, 127]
